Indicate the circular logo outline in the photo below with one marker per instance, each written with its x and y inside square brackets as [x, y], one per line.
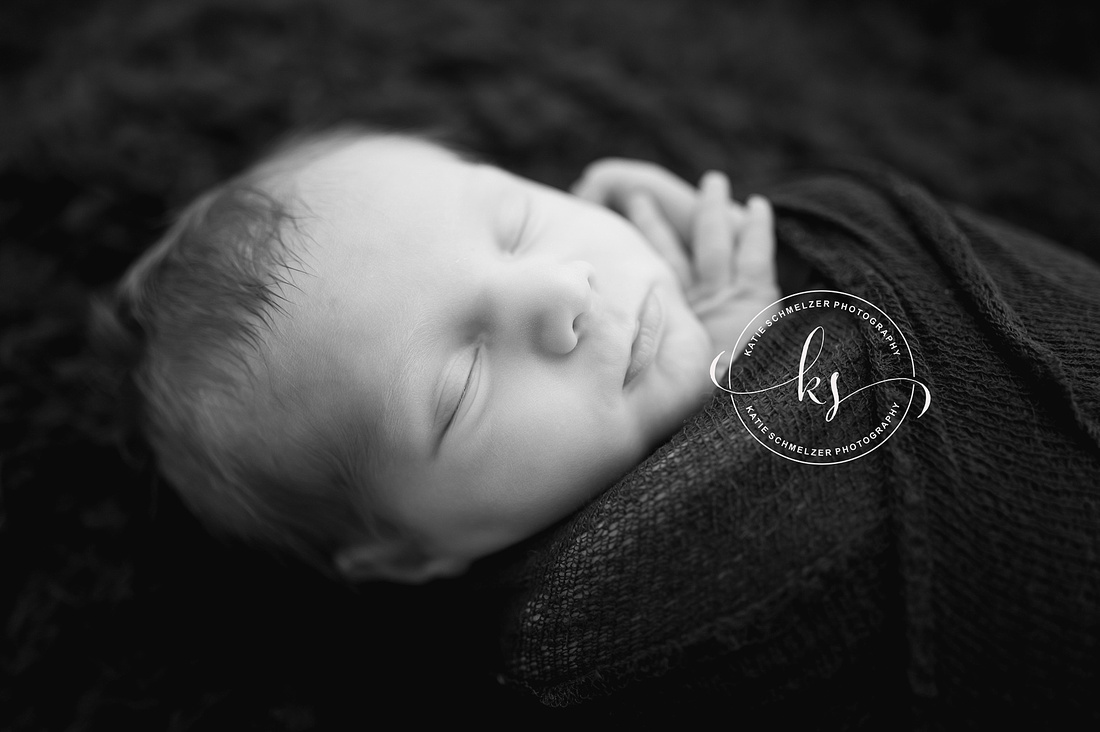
[886, 318]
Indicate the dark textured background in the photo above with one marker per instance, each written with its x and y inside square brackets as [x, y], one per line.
[117, 612]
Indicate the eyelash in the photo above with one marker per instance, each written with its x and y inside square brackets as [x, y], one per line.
[465, 388]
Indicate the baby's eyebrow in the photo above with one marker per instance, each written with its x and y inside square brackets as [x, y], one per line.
[421, 366]
[403, 410]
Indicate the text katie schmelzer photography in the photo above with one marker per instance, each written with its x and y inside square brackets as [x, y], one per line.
[803, 428]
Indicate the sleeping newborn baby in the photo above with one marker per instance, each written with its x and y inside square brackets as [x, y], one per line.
[391, 360]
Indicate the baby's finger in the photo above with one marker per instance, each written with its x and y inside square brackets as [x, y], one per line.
[755, 259]
[643, 213]
[712, 239]
[609, 183]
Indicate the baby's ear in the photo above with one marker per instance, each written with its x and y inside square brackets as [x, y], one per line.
[395, 561]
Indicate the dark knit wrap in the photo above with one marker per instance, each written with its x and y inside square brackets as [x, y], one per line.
[950, 577]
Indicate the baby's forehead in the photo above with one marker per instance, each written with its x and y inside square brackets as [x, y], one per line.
[341, 156]
[366, 182]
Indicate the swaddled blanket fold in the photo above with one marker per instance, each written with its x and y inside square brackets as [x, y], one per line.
[950, 577]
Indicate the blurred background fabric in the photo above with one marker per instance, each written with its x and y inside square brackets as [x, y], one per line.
[118, 612]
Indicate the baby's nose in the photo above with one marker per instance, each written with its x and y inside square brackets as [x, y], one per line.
[545, 301]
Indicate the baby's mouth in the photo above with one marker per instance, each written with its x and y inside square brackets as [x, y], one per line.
[647, 336]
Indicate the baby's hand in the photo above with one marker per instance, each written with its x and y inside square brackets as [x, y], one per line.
[722, 253]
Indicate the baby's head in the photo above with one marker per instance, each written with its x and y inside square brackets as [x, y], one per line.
[393, 360]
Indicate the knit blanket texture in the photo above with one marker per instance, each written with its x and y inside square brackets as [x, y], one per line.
[949, 578]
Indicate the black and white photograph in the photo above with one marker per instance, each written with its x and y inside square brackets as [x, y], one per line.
[686, 364]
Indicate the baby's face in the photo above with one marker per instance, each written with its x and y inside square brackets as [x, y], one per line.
[518, 348]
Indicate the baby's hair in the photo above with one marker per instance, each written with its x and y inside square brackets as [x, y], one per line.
[187, 326]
